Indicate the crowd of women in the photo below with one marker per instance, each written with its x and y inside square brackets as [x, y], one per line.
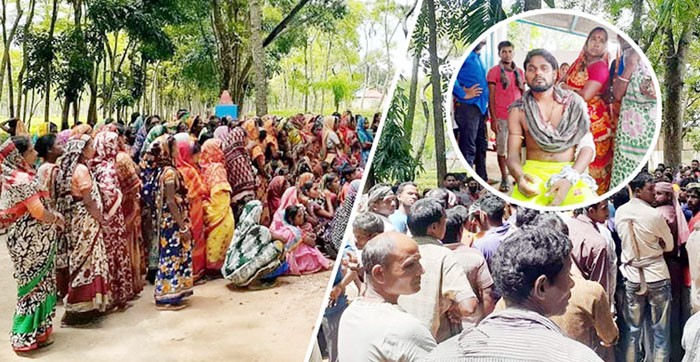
[93, 213]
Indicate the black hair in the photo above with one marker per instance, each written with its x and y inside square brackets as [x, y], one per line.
[493, 206]
[541, 53]
[550, 220]
[596, 29]
[439, 194]
[44, 144]
[306, 187]
[450, 174]
[424, 213]
[196, 148]
[470, 179]
[205, 137]
[525, 256]
[504, 44]
[525, 216]
[22, 143]
[455, 220]
[290, 213]
[640, 181]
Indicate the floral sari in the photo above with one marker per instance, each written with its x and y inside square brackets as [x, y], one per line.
[239, 167]
[602, 128]
[218, 216]
[114, 229]
[130, 184]
[32, 248]
[197, 193]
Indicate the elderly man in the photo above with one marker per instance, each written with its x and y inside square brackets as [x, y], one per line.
[444, 285]
[374, 327]
[532, 271]
[554, 125]
[645, 236]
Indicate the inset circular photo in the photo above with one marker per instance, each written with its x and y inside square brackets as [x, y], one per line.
[555, 109]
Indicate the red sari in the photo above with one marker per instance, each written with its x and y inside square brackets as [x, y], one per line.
[602, 127]
[196, 194]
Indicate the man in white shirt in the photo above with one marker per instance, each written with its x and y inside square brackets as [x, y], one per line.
[645, 236]
[374, 327]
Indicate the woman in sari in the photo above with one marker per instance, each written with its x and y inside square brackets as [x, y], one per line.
[130, 185]
[80, 130]
[149, 175]
[635, 90]
[31, 228]
[331, 144]
[80, 202]
[365, 138]
[254, 259]
[218, 216]
[197, 193]
[300, 241]
[275, 190]
[173, 279]
[49, 150]
[333, 236]
[588, 77]
[114, 228]
[239, 167]
[141, 134]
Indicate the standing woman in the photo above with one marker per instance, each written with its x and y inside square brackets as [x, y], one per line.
[114, 229]
[130, 185]
[49, 149]
[218, 216]
[79, 201]
[588, 77]
[173, 279]
[197, 193]
[365, 139]
[31, 228]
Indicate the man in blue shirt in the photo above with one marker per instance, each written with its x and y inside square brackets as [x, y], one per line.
[471, 94]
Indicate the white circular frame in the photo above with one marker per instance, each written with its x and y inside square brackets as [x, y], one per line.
[623, 184]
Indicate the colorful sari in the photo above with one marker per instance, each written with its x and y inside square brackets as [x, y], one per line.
[365, 137]
[602, 128]
[333, 237]
[32, 249]
[48, 174]
[173, 280]
[302, 258]
[130, 184]
[637, 122]
[239, 168]
[88, 290]
[274, 192]
[218, 216]
[197, 193]
[150, 174]
[114, 230]
[253, 254]
[253, 132]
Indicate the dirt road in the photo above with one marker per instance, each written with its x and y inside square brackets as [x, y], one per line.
[221, 324]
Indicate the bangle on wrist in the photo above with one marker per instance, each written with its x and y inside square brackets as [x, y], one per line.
[619, 77]
[184, 230]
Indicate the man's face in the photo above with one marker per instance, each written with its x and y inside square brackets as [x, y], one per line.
[558, 291]
[408, 196]
[385, 206]
[451, 183]
[539, 74]
[402, 274]
[647, 193]
[682, 196]
[473, 186]
[661, 198]
[437, 230]
[600, 212]
[506, 54]
[361, 237]
[694, 200]
[694, 165]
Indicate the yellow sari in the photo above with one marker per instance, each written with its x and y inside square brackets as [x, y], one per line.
[218, 216]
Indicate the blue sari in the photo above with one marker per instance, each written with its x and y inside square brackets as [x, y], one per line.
[365, 137]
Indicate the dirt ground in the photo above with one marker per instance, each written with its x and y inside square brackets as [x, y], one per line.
[221, 324]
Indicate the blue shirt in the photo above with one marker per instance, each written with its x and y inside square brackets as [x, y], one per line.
[490, 242]
[472, 72]
[400, 221]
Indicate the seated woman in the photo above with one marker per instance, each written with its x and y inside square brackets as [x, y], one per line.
[302, 255]
[254, 258]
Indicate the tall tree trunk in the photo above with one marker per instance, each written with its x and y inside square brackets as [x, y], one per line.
[306, 77]
[47, 93]
[437, 93]
[325, 72]
[7, 41]
[408, 122]
[674, 62]
[25, 59]
[637, 12]
[258, 56]
[532, 5]
[10, 90]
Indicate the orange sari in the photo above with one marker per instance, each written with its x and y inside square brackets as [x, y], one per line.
[602, 126]
[197, 193]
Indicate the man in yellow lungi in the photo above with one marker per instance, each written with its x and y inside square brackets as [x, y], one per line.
[554, 124]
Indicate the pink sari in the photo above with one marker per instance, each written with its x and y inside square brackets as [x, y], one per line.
[302, 258]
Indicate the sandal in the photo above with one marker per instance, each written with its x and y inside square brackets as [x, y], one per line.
[164, 307]
[258, 285]
[505, 186]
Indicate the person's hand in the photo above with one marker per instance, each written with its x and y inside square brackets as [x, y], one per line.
[186, 236]
[60, 222]
[559, 191]
[472, 92]
[335, 294]
[454, 315]
[527, 185]
[495, 127]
